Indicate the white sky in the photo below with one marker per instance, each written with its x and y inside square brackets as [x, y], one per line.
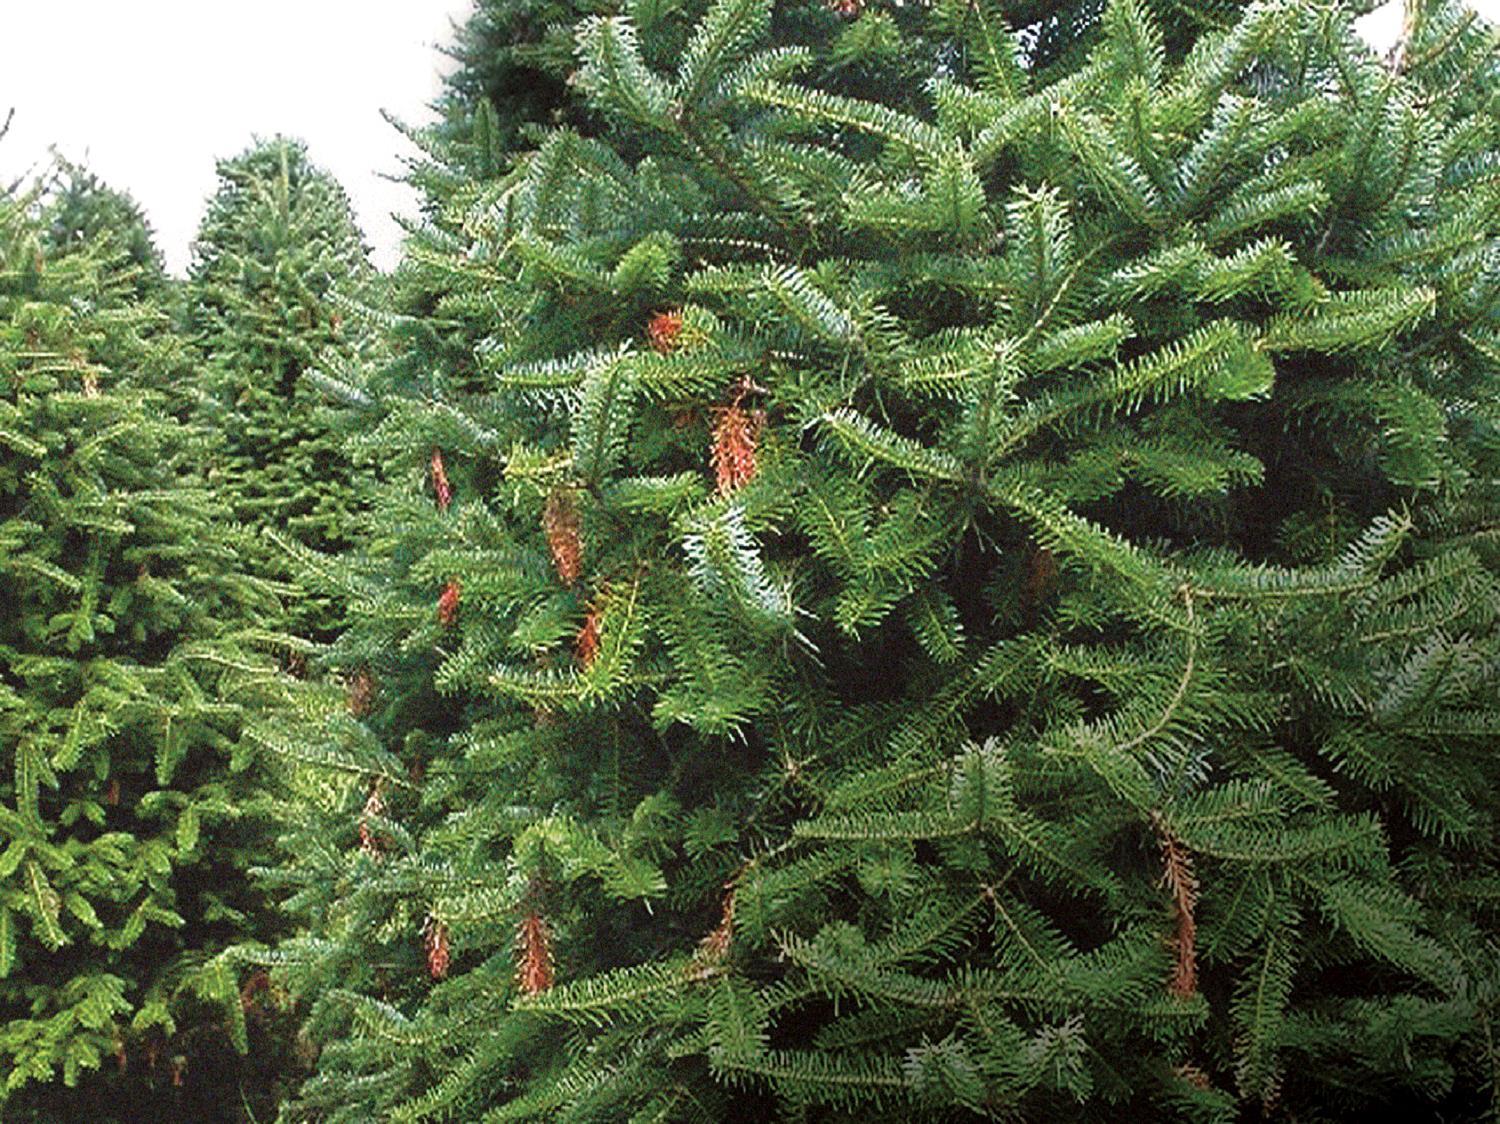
[149, 93]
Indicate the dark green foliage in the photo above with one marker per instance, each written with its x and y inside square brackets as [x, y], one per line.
[81, 214]
[1119, 564]
[128, 676]
[82, 210]
[511, 63]
[277, 242]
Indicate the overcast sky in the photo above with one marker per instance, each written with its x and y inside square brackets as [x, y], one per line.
[149, 93]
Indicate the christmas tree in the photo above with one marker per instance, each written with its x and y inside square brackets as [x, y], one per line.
[82, 209]
[130, 666]
[81, 214]
[940, 565]
[278, 240]
[509, 74]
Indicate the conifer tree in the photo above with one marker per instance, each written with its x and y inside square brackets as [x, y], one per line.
[277, 240]
[510, 67]
[962, 584]
[81, 214]
[128, 674]
[82, 209]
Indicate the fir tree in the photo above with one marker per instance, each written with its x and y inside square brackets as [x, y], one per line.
[128, 674]
[277, 241]
[81, 214]
[510, 64]
[82, 209]
[964, 587]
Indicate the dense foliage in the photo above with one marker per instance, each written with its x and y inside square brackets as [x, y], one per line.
[872, 562]
[277, 241]
[82, 210]
[130, 663]
[957, 580]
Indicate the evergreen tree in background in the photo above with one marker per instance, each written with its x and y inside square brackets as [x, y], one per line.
[939, 564]
[510, 67]
[81, 214]
[276, 242]
[130, 665]
[82, 209]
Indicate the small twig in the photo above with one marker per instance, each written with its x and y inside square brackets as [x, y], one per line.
[1170, 712]
[1437, 50]
[1410, 21]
